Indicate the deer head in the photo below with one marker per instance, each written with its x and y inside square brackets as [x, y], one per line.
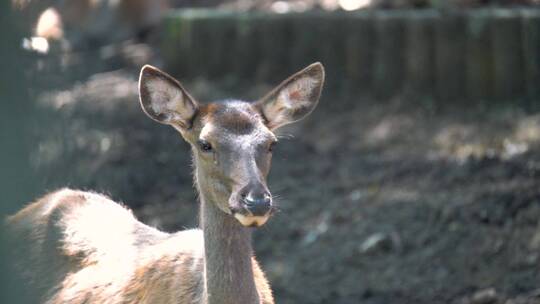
[232, 140]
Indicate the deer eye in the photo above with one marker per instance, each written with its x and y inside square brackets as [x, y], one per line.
[204, 145]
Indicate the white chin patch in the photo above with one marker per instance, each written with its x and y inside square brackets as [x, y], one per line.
[251, 221]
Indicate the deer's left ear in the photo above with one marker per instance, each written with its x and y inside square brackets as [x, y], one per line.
[294, 98]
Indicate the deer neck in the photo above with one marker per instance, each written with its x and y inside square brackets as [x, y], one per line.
[228, 253]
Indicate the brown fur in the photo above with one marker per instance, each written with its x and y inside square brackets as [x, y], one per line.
[160, 270]
[235, 120]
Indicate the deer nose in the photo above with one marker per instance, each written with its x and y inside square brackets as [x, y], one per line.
[258, 203]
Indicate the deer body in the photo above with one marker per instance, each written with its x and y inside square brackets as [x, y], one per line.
[81, 247]
[99, 246]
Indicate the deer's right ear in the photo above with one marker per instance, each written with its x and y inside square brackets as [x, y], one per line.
[164, 99]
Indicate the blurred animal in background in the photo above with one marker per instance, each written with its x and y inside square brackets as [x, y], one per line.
[84, 23]
[81, 247]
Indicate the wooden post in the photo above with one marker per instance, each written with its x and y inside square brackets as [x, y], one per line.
[389, 50]
[479, 52]
[177, 43]
[359, 53]
[221, 45]
[531, 56]
[276, 39]
[509, 80]
[203, 53]
[304, 39]
[331, 49]
[419, 78]
[450, 58]
[248, 45]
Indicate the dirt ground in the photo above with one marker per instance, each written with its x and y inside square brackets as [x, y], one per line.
[381, 202]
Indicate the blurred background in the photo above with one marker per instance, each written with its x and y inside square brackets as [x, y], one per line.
[416, 180]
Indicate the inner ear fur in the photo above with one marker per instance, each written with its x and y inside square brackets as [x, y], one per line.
[294, 98]
[164, 99]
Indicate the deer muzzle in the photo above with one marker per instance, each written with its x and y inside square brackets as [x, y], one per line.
[255, 206]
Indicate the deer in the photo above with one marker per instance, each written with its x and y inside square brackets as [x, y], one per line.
[81, 247]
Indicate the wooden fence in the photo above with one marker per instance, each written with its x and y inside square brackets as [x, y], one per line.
[488, 55]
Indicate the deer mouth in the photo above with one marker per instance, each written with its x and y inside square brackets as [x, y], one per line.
[252, 220]
[249, 211]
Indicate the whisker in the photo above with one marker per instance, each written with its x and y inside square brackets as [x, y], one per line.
[285, 136]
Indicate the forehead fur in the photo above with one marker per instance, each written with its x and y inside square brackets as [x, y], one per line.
[237, 117]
